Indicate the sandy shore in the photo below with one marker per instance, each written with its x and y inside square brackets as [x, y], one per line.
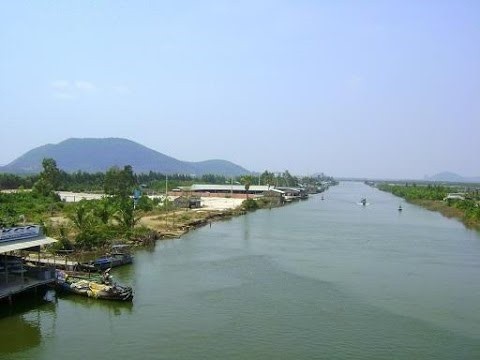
[208, 203]
[175, 222]
[219, 204]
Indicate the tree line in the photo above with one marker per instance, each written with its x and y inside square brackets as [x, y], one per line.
[96, 223]
[470, 206]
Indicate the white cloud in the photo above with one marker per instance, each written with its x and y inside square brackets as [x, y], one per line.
[84, 85]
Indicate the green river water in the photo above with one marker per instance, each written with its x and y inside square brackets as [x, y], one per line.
[319, 279]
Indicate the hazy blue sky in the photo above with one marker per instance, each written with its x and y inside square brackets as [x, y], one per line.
[350, 88]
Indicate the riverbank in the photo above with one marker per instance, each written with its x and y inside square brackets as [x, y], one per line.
[447, 211]
[177, 223]
[434, 198]
[164, 223]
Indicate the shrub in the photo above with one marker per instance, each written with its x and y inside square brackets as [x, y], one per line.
[250, 205]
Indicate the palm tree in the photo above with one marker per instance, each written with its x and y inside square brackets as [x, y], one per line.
[81, 217]
[104, 210]
[268, 178]
[247, 181]
[126, 214]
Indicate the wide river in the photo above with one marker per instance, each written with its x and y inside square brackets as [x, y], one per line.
[319, 279]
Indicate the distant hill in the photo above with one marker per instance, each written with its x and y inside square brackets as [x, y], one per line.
[447, 176]
[94, 155]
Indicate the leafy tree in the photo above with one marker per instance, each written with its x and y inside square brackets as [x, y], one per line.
[49, 178]
[119, 182]
[125, 215]
[289, 179]
[267, 178]
[250, 205]
[145, 203]
[104, 209]
[81, 216]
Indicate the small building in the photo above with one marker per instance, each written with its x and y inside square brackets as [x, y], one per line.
[294, 193]
[275, 196]
[455, 196]
[15, 276]
[226, 189]
[187, 202]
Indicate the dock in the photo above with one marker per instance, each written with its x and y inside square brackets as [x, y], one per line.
[7, 290]
[57, 262]
[17, 277]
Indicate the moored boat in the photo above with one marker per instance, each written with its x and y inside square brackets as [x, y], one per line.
[98, 288]
[118, 256]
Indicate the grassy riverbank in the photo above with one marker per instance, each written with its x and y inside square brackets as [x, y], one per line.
[94, 225]
[431, 197]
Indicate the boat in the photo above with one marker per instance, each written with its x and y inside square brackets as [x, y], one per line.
[94, 287]
[118, 256]
[363, 201]
[400, 208]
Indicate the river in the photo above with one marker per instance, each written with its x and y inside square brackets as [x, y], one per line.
[319, 279]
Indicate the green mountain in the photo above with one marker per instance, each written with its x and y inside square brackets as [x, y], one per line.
[93, 155]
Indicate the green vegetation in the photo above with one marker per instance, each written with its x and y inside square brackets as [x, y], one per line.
[27, 206]
[432, 197]
[250, 205]
[414, 192]
[87, 225]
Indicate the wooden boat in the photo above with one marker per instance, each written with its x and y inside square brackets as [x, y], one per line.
[118, 256]
[94, 287]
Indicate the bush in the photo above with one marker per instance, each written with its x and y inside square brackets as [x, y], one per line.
[250, 205]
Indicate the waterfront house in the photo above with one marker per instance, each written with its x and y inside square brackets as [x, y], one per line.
[15, 276]
[275, 196]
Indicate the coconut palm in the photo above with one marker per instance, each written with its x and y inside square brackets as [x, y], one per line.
[247, 181]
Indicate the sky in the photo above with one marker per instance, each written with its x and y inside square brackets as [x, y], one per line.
[378, 89]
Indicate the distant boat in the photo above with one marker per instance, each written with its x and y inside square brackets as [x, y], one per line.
[400, 208]
[363, 201]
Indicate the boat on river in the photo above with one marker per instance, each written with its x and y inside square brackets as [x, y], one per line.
[363, 201]
[119, 255]
[94, 287]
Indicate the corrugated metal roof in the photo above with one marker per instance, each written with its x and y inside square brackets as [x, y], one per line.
[25, 243]
[226, 188]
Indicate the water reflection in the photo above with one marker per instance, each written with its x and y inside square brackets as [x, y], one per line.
[246, 229]
[113, 307]
[21, 323]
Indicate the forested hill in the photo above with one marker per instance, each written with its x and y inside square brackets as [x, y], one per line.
[98, 155]
[447, 176]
